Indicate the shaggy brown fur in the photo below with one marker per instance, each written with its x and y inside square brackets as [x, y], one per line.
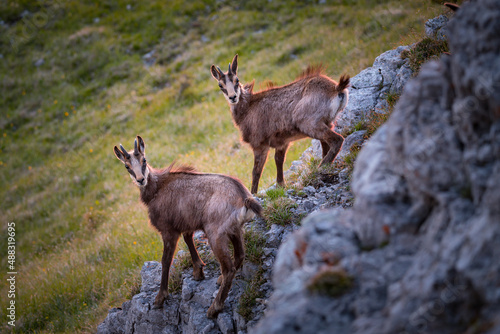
[181, 200]
[278, 115]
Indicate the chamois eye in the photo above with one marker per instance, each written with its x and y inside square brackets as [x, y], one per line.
[144, 161]
[220, 86]
[237, 81]
[127, 167]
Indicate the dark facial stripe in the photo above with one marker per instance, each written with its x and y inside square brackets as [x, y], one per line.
[131, 172]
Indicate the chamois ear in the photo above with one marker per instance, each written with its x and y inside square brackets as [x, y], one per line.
[215, 72]
[234, 64]
[142, 145]
[119, 154]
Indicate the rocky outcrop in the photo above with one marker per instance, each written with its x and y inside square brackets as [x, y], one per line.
[186, 312]
[369, 88]
[418, 252]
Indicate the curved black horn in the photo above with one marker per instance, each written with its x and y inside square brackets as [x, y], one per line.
[136, 151]
[220, 71]
[229, 68]
[124, 151]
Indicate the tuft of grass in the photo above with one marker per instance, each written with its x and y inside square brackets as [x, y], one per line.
[309, 175]
[423, 51]
[275, 193]
[316, 176]
[175, 280]
[279, 211]
[350, 158]
[253, 246]
[332, 282]
[248, 298]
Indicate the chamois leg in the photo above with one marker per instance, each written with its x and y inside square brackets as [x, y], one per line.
[260, 157]
[239, 250]
[239, 253]
[169, 245]
[197, 262]
[221, 251]
[325, 148]
[279, 158]
[335, 142]
[324, 134]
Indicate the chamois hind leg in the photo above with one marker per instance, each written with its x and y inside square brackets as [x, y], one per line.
[325, 148]
[331, 138]
[239, 249]
[279, 158]
[220, 247]
[169, 245]
[239, 253]
[197, 262]
[260, 158]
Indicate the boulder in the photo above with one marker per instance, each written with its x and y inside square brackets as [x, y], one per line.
[420, 245]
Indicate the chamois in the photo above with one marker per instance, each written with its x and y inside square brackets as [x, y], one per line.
[181, 201]
[276, 116]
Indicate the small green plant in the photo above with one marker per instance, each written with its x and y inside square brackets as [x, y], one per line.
[279, 211]
[350, 158]
[309, 176]
[275, 193]
[248, 298]
[423, 51]
[332, 282]
[253, 246]
[175, 280]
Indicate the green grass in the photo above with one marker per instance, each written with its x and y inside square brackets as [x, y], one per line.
[423, 51]
[248, 298]
[253, 246]
[275, 193]
[81, 233]
[332, 282]
[279, 211]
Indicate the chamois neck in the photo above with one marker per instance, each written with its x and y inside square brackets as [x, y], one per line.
[148, 192]
[239, 110]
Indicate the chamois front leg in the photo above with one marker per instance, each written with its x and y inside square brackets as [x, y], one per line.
[260, 157]
[169, 245]
[197, 262]
[279, 158]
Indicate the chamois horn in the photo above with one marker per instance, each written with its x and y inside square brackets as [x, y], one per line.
[124, 151]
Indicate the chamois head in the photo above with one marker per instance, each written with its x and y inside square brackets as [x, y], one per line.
[228, 82]
[135, 162]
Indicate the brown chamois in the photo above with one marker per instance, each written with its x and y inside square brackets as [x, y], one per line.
[276, 116]
[181, 201]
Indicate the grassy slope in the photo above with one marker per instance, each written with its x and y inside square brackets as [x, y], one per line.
[81, 233]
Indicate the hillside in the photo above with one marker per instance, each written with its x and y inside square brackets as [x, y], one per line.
[79, 77]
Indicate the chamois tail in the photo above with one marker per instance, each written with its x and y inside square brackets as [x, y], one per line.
[252, 204]
[343, 82]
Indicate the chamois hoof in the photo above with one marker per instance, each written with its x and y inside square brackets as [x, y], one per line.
[219, 280]
[159, 300]
[156, 307]
[213, 311]
[198, 276]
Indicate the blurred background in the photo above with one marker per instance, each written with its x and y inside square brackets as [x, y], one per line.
[78, 77]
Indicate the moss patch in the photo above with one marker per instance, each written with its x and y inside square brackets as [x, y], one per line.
[332, 282]
[425, 50]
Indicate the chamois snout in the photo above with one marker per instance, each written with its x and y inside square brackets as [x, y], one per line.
[233, 98]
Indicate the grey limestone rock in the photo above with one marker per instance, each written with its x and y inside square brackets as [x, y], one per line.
[436, 27]
[421, 241]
